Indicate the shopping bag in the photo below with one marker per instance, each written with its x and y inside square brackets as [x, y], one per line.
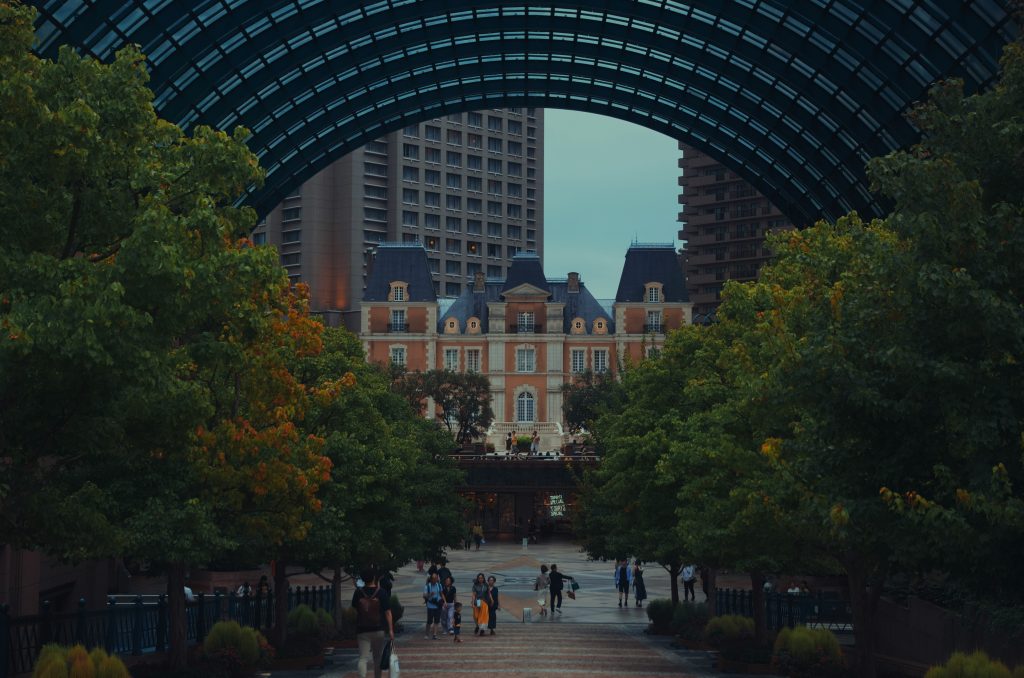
[393, 668]
[571, 594]
[574, 587]
[385, 656]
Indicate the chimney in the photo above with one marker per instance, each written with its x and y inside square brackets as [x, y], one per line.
[574, 282]
[478, 281]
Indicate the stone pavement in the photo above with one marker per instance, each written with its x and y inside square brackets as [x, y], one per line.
[591, 637]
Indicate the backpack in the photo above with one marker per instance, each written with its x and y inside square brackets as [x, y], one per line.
[368, 612]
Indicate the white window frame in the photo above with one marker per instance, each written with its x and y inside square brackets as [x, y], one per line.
[526, 359]
[398, 320]
[653, 295]
[451, 359]
[526, 408]
[577, 360]
[525, 319]
[398, 355]
[473, 363]
[398, 293]
[600, 360]
[654, 321]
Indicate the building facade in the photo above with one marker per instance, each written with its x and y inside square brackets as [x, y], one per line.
[529, 334]
[468, 187]
[724, 222]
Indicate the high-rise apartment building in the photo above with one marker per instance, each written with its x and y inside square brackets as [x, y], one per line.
[469, 187]
[724, 221]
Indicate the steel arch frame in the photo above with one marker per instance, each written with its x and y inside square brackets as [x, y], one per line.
[792, 95]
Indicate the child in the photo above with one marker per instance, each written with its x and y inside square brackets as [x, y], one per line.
[457, 623]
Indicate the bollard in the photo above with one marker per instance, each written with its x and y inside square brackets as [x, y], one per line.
[79, 624]
[526, 543]
[527, 613]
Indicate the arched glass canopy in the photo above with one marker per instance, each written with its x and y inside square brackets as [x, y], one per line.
[793, 95]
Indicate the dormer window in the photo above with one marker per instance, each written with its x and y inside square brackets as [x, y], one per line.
[600, 326]
[398, 291]
[653, 294]
[579, 326]
[451, 326]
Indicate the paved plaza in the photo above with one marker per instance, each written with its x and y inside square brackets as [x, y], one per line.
[591, 637]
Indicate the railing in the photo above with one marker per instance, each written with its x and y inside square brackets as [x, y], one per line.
[137, 627]
[826, 610]
[398, 327]
[527, 329]
[654, 329]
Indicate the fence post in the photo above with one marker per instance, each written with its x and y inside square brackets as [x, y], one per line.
[257, 610]
[308, 601]
[5, 639]
[45, 628]
[232, 607]
[719, 601]
[138, 619]
[110, 642]
[80, 624]
[161, 623]
[200, 617]
[789, 609]
[217, 607]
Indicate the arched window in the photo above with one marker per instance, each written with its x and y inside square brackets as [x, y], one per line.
[524, 407]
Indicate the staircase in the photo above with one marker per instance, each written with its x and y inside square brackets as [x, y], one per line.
[551, 435]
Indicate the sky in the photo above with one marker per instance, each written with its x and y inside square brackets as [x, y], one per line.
[606, 183]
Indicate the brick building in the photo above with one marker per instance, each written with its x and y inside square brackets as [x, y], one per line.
[529, 334]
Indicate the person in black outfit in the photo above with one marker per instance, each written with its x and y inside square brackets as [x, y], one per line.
[370, 633]
[443, 572]
[557, 579]
[492, 613]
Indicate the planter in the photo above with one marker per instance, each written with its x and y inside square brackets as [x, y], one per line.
[732, 666]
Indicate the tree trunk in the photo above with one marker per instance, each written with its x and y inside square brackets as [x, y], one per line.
[673, 572]
[280, 604]
[176, 621]
[864, 594]
[757, 602]
[708, 577]
[336, 584]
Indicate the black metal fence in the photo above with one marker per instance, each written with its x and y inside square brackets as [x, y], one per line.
[826, 610]
[138, 627]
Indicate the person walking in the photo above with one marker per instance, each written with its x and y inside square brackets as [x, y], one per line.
[457, 623]
[448, 599]
[623, 579]
[535, 444]
[640, 589]
[492, 616]
[557, 584]
[478, 534]
[689, 579]
[443, 572]
[508, 443]
[542, 584]
[481, 604]
[432, 598]
[373, 621]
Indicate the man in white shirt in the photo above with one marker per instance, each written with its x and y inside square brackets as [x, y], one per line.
[689, 579]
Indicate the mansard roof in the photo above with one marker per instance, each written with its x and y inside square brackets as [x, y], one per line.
[577, 305]
[647, 263]
[525, 270]
[406, 262]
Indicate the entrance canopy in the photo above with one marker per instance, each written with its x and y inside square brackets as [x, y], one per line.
[793, 95]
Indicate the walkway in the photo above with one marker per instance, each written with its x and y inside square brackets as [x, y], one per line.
[591, 637]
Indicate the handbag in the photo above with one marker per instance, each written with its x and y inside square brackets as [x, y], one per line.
[573, 586]
[393, 667]
[571, 594]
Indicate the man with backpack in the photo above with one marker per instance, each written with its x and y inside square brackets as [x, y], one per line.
[373, 620]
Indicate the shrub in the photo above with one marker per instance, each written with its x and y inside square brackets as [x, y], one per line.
[660, 611]
[689, 620]
[975, 665]
[523, 443]
[57, 661]
[728, 628]
[802, 652]
[236, 648]
[325, 621]
[302, 622]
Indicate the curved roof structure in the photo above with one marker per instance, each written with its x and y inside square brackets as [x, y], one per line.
[794, 95]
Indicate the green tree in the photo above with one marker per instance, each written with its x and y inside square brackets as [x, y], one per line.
[462, 399]
[587, 398]
[145, 407]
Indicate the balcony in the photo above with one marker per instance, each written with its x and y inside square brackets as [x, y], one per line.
[398, 327]
[526, 329]
[654, 329]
